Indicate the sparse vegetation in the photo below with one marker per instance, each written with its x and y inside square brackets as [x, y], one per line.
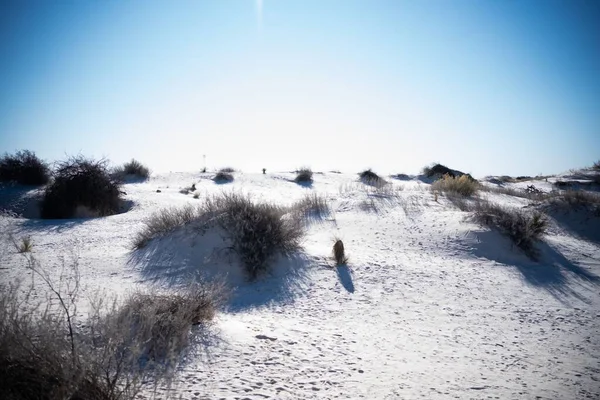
[158, 324]
[223, 176]
[254, 231]
[304, 175]
[523, 228]
[228, 170]
[24, 245]
[402, 177]
[187, 190]
[165, 221]
[596, 166]
[439, 171]
[24, 168]
[371, 178]
[81, 186]
[461, 186]
[133, 169]
[576, 200]
[339, 254]
[523, 193]
[45, 353]
[312, 205]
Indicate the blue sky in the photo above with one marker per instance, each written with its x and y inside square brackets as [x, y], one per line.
[487, 87]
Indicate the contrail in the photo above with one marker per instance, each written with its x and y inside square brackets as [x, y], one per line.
[259, 11]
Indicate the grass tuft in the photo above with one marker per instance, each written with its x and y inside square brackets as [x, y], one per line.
[133, 169]
[339, 253]
[523, 228]
[462, 186]
[25, 245]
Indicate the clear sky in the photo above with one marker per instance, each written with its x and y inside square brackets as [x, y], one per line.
[487, 87]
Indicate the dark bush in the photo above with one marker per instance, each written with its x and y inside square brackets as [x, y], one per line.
[371, 178]
[134, 169]
[438, 171]
[596, 166]
[402, 177]
[24, 168]
[304, 175]
[223, 177]
[339, 253]
[81, 187]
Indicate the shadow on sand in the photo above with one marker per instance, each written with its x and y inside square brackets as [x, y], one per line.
[187, 256]
[580, 222]
[345, 276]
[552, 272]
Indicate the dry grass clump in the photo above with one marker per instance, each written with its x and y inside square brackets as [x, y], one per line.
[339, 253]
[223, 176]
[312, 205]
[81, 183]
[371, 178]
[576, 200]
[304, 175]
[165, 221]
[158, 324]
[523, 228]
[522, 193]
[25, 245]
[132, 169]
[256, 231]
[46, 353]
[461, 186]
[24, 168]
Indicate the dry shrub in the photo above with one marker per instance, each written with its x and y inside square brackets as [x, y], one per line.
[165, 221]
[132, 169]
[304, 175]
[24, 168]
[312, 205]
[462, 186]
[81, 183]
[45, 353]
[223, 177]
[522, 193]
[371, 178]
[24, 245]
[157, 325]
[256, 231]
[338, 253]
[523, 228]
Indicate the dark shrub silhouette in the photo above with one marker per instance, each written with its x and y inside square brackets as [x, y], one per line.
[81, 185]
[24, 168]
[134, 169]
[304, 175]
